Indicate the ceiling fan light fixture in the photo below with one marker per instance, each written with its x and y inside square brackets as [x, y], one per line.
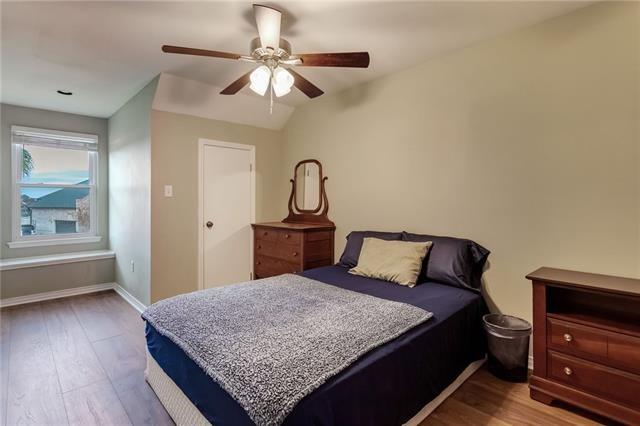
[260, 78]
[282, 81]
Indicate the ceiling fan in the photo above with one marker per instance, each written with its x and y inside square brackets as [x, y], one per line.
[276, 60]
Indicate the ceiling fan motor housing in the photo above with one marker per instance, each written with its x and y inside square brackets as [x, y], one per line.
[260, 53]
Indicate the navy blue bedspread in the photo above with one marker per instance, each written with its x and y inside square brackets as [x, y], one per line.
[387, 386]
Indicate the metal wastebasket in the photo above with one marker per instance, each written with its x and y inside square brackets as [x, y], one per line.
[508, 344]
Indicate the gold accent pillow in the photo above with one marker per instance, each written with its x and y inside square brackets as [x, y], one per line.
[396, 261]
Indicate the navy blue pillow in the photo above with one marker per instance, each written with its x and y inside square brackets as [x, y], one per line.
[453, 261]
[351, 252]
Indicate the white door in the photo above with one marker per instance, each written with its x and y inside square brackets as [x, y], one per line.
[227, 214]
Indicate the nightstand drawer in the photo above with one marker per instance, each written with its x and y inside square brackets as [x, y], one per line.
[624, 350]
[574, 338]
[592, 377]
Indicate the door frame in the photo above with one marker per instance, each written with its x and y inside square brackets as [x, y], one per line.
[202, 143]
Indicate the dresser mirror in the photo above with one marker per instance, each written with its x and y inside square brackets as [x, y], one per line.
[308, 201]
[307, 179]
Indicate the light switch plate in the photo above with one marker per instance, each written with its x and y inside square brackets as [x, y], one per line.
[168, 190]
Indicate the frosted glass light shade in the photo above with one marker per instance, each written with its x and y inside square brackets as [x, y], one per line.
[282, 81]
[260, 78]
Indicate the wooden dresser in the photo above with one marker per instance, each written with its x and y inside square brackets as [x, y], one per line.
[586, 342]
[281, 248]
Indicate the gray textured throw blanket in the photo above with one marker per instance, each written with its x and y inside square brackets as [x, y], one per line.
[271, 342]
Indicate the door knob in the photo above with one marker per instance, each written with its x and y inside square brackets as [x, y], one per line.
[209, 224]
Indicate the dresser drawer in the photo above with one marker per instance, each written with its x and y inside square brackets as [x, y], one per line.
[287, 252]
[299, 246]
[266, 234]
[279, 235]
[268, 267]
[265, 247]
[288, 237]
[598, 379]
[573, 338]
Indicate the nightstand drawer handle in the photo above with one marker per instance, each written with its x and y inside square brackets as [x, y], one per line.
[568, 337]
[286, 236]
[265, 233]
[568, 371]
[259, 247]
[258, 263]
[295, 253]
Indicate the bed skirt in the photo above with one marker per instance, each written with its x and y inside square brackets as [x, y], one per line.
[184, 413]
[181, 410]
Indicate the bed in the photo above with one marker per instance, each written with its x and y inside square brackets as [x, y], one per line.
[390, 385]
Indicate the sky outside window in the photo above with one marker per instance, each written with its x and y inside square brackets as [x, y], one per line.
[54, 166]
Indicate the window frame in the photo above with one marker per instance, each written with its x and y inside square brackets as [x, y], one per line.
[19, 240]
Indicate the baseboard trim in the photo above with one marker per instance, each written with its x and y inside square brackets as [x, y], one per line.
[129, 298]
[50, 295]
[530, 362]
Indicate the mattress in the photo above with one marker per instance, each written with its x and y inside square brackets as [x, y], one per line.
[387, 386]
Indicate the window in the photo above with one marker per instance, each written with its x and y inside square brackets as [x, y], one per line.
[54, 177]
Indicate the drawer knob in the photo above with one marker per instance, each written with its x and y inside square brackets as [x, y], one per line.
[568, 337]
[286, 236]
[259, 247]
[295, 253]
[265, 233]
[568, 371]
[258, 263]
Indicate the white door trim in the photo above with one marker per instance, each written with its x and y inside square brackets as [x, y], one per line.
[209, 142]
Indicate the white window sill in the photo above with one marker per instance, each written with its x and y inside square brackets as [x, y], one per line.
[53, 242]
[55, 259]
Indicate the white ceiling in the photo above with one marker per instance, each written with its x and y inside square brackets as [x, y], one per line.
[106, 51]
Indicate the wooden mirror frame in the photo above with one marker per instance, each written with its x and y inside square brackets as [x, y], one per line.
[295, 178]
[319, 214]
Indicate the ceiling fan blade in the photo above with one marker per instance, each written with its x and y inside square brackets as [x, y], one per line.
[235, 87]
[346, 59]
[268, 22]
[291, 61]
[305, 86]
[199, 52]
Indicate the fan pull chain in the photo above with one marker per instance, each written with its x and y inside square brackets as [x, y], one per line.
[271, 99]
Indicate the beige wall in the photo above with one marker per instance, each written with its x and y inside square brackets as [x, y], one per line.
[24, 282]
[527, 143]
[42, 279]
[129, 192]
[31, 117]
[174, 227]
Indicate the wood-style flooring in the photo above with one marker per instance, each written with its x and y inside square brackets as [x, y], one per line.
[80, 361]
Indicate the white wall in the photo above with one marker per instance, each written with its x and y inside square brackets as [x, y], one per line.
[527, 143]
[129, 192]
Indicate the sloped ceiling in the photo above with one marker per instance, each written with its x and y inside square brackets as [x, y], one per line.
[105, 52]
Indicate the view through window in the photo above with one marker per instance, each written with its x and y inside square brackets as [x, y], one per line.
[55, 184]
